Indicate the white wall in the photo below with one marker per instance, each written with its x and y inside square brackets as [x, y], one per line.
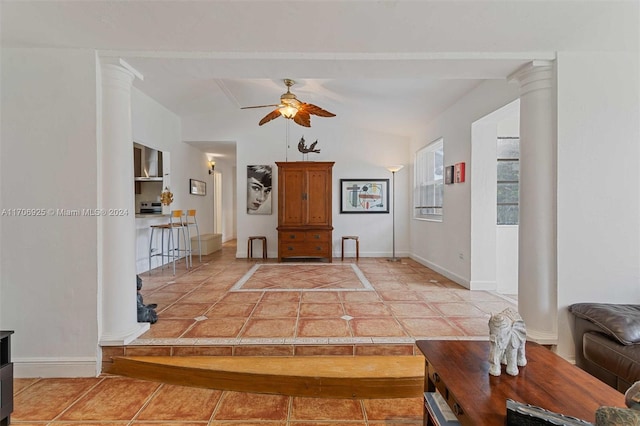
[440, 245]
[48, 269]
[598, 182]
[358, 153]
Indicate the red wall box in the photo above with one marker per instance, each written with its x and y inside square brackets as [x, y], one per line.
[459, 173]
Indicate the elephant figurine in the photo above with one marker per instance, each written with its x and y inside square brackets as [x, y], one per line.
[507, 337]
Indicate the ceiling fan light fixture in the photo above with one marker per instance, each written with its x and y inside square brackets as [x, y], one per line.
[288, 111]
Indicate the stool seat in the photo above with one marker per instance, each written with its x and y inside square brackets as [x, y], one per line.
[357, 240]
[173, 250]
[250, 245]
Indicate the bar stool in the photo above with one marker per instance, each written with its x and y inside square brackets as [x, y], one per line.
[351, 237]
[173, 250]
[190, 221]
[153, 252]
[250, 246]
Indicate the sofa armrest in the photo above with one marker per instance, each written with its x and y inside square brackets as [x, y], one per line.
[622, 322]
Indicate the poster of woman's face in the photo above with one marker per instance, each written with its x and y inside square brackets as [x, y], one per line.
[258, 189]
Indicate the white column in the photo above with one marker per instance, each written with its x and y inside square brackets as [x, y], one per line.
[117, 233]
[537, 275]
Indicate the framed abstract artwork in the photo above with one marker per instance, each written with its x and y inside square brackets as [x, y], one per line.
[364, 195]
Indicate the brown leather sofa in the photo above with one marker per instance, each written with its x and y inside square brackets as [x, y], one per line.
[607, 342]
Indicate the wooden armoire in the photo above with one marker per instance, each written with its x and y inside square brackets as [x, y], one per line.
[304, 210]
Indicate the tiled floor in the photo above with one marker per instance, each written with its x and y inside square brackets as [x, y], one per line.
[122, 401]
[199, 307]
[401, 302]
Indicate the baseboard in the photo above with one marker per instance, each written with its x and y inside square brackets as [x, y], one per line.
[483, 285]
[55, 367]
[443, 271]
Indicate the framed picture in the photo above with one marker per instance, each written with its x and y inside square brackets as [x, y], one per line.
[197, 187]
[364, 195]
[448, 174]
[259, 189]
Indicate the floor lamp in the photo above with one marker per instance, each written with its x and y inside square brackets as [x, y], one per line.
[393, 170]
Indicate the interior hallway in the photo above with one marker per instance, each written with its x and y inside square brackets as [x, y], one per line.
[198, 309]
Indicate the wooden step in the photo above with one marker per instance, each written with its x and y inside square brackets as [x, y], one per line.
[321, 377]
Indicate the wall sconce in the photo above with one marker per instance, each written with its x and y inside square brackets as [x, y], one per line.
[212, 166]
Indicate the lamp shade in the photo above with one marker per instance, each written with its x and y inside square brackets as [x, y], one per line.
[395, 168]
[288, 111]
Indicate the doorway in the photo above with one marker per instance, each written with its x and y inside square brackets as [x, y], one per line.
[494, 248]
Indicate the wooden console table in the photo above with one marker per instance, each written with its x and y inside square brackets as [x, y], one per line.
[459, 370]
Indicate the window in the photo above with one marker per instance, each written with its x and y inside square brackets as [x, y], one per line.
[428, 186]
[508, 151]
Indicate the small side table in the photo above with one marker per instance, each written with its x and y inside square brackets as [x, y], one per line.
[355, 238]
[250, 246]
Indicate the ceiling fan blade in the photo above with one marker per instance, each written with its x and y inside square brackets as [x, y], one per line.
[315, 110]
[267, 118]
[259, 106]
[302, 118]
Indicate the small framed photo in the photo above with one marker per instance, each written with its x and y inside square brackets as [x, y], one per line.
[197, 187]
[448, 174]
[364, 195]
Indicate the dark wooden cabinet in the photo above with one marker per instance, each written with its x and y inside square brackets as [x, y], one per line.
[6, 378]
[304, 210]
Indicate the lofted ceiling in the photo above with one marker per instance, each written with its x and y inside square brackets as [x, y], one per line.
[388, 65]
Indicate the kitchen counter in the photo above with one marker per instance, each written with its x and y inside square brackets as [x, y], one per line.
[150, 215]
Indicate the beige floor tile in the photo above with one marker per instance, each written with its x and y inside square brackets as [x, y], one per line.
[462, 309]
[376, 327]
[216, 327]
[225, 310]
[185, 310]
[320, 297]
[412, 309]
[360, 296]
[326, 409]
[179, 402]
[113, 398]
[325, 310]
[373, 309]
[47, 398]
[311, 327]
[276, 310]
[394, 409]
[252, 407]
[430, 327]
[269, 327]
[168, 328]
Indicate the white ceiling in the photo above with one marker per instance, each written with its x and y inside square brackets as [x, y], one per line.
[387, 65]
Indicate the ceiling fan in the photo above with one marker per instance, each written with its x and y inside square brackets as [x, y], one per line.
[290, 107]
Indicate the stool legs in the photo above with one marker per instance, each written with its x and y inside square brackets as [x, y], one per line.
[250, 247]
[357, 246]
